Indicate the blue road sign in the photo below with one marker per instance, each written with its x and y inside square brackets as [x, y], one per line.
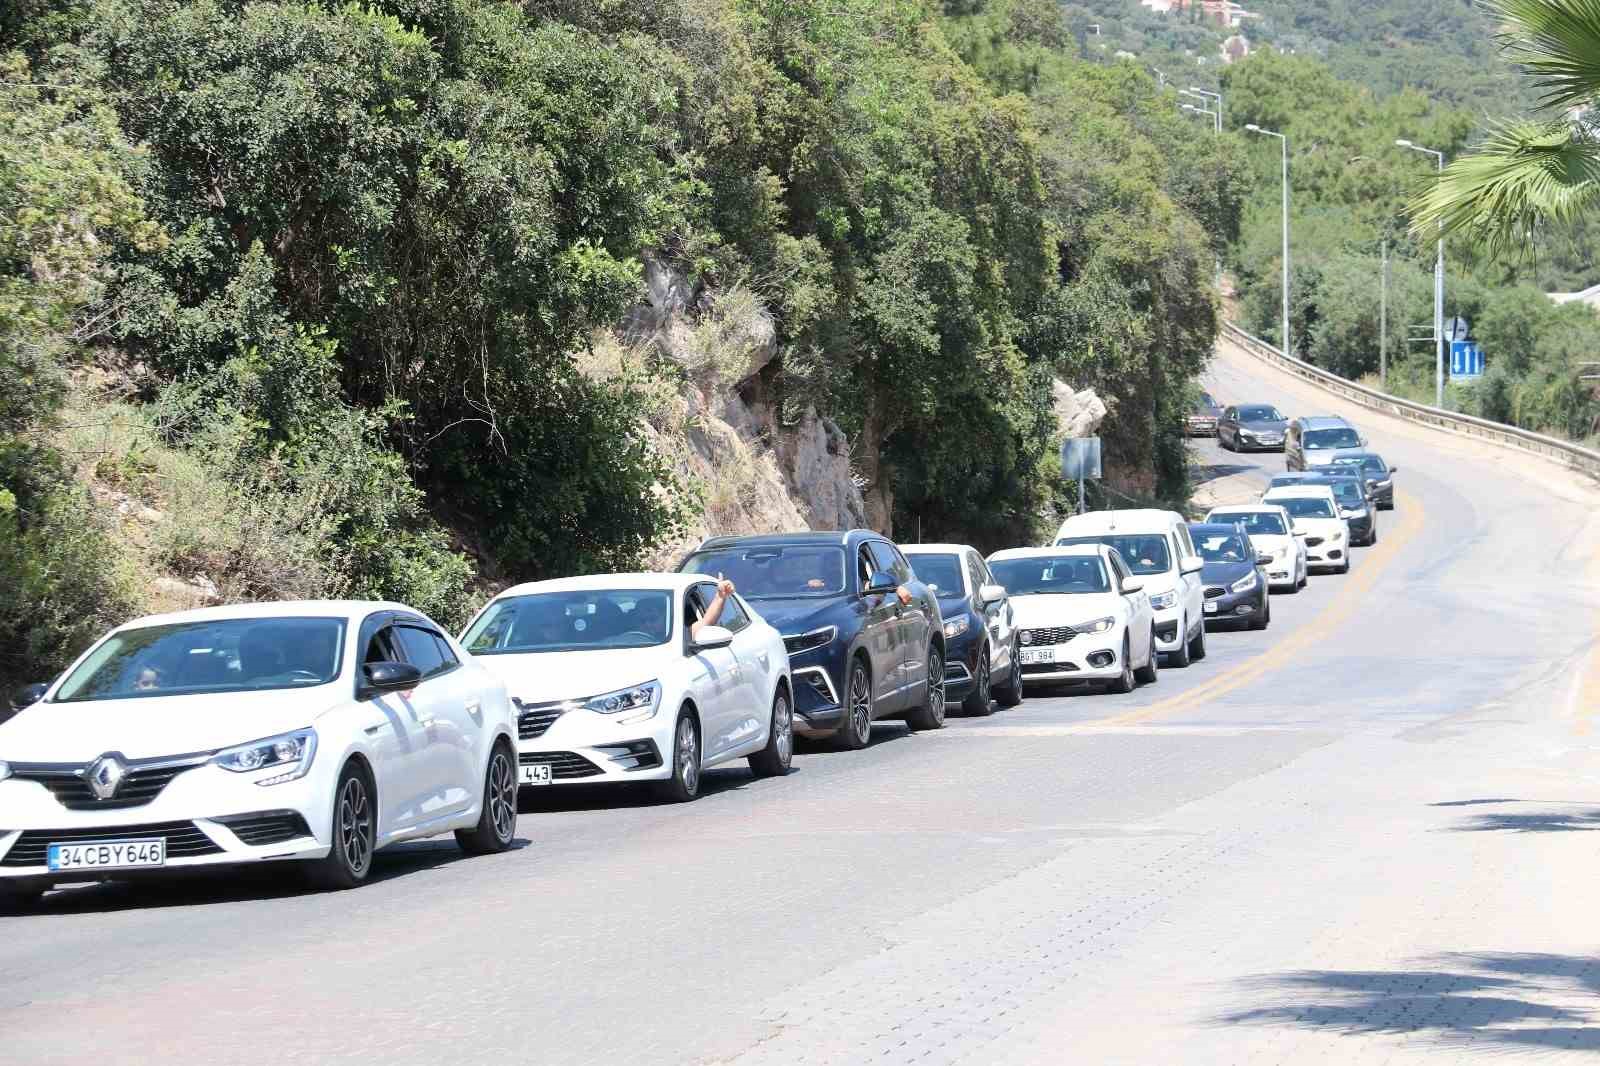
[1466, 359]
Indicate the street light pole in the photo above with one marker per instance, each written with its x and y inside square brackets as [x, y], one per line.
[1209, 96]
[1283, 141]
[1438, 288]
[1383, 322]
[1202, 111]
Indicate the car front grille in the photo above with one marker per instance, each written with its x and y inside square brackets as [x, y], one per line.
[564, 765]
[1215, 592]
[70, 784]
[535, 719]
[1044, 638]
[183, 840]
[1312, 542]
[266, 827]
[1048, 668]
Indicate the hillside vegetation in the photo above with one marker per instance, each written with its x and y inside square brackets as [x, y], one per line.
[309, 299]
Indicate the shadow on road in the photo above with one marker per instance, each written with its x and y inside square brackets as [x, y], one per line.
[1517, 1000]
[1537, 821]
[234, 884]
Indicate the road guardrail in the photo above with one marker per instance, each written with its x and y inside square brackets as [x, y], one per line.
[1575, 457]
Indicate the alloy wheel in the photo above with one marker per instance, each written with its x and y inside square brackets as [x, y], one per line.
[783, 728]
[936, 685]
[860, 705]
[688, 756]
[355, 824]
[983, 679]
[502, 795]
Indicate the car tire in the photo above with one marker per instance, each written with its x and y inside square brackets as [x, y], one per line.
[684, 784]
[1179, 659]
[1147, 674]
[775, 759]
[1197, 646]
[1373, 540]
[931, 714]
[1010, 694]
[856, 731]
[1345, 569]
[497, 822]
[354, 832]
[979, 702]
[1125, 682]
[1262, 618]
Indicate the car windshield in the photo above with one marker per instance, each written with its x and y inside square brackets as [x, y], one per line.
[1222, 548]
[1306, 506]
[1279, 480]
[1348, 492]
[1050, 574]
[775, 571]
[1338, 437]
[220, 655]
[1144, 554]
[581, 620]
[1371, 464]
[1263, 523]
[940, 572]
[1259, 414]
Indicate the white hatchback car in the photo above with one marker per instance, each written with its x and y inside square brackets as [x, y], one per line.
[1081, 615]
[1317, 523]
[315, 731]
[1271, 533]
[611, 687]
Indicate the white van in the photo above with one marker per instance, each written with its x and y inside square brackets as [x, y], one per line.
[1157, 548]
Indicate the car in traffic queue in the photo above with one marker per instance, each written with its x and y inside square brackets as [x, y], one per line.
[865, 637]
[1201, 420]
[1082, 616]
[1235, 582]
[1271, 532]
[980, 640]
[1252, 427]
[1356, 506]
[310, 733]
[1315, 516]
[1317, 440]
[612, 684]
[1155, 546]
[1378, 475]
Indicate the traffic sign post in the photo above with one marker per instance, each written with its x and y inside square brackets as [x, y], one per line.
[1466, 359]
[1080, 461]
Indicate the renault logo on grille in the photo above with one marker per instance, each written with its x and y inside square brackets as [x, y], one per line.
[105, 776]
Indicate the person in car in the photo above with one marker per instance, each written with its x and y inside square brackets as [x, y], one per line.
[713, 611]
[149, 679]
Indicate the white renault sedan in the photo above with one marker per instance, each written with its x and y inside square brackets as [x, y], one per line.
[1317, 523]
[612, 684]
[1271, 533]
[1081, 615]
[313, 731]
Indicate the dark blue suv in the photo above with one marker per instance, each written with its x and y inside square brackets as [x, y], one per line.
[865, 637]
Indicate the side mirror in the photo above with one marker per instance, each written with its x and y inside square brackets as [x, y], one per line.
[28, 695]
[712, 637]
[991, 594]
[879, 582]
[1191, 564]
[388, 677]
[1263, 558]
[1132, 585]
[1392, 469]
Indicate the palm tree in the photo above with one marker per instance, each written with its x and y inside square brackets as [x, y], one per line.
[1541, 168]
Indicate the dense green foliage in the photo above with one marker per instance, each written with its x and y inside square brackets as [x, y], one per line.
[341, 282]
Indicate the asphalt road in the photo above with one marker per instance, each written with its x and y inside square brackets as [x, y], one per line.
[1356, 836]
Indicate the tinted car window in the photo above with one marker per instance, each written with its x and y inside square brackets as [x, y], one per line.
[1046, 574]
[887, 558]
[775, 571]
[1265, 523]
[421, 649]
[733, 617]
[943, 572]
[975, 574]
[1259, 414]
[1222, 548]
[580, 620]
[1144, 554]
[1338, 437]
[1306, 507]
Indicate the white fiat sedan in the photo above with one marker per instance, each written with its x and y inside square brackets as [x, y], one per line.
[314, 731]
[1317, 524]
[613, 684]
[1081, 615]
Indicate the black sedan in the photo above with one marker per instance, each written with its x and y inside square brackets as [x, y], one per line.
[1235, 585]
[1252, 427]
[1378, 474]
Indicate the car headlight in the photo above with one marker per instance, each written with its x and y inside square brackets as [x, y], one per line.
[955, 627]
[817, 638]
[289, 753]
[5, 769]
[1339, 535]
[1164, 600]
[1244, 584]
[1099, 625]
[637, 702]
[1280, 554]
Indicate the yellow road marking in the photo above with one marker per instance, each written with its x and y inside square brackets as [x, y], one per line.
[1351, 597]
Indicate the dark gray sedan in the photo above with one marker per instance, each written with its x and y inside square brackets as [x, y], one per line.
[1252, 427]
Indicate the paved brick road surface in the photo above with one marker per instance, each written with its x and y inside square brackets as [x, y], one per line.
[1361, 836]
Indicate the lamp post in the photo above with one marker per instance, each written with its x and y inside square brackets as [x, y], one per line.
[1161, 76]
[1283, 141]
[1438, 288]
[1209, 96]
[1202, 111]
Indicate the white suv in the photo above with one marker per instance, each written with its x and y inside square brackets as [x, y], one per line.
[1156, 547]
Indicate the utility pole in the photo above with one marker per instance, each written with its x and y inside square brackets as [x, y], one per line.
[1288, 348]
[1383, 323]
[1438, 288]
